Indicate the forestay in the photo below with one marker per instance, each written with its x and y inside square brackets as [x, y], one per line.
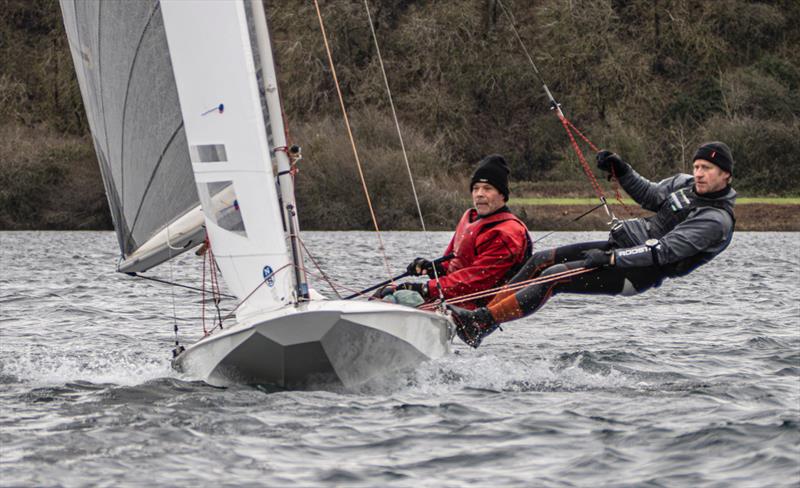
[215, 72]
[124, 71]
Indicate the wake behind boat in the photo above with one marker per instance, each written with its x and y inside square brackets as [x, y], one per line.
[184, 107]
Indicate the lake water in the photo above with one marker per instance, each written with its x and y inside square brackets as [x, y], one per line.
[696, 383]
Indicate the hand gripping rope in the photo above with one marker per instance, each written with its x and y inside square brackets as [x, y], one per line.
[568, 127]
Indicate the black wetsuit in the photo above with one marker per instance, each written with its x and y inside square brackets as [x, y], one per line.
[687, 231]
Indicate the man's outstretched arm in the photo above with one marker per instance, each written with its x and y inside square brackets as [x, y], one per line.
[646, 193]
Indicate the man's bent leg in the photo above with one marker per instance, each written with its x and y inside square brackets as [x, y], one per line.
[543, 260]
[473, 326]
[531, 298]
[605, 281]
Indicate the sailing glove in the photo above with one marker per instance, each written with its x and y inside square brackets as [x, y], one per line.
[421, 288]
[611, 163]
[596, 258]
[420, 266]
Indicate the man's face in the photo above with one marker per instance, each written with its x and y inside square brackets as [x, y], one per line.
[486, 198]
[708, 177]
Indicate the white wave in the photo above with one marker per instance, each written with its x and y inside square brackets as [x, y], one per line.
[40, 368]
[491, 372]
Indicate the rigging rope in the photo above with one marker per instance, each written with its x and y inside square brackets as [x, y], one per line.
[570, 273]
[215, 293]
[172, 283]
[402, 144]
[231, 313]
[319, 268]
[427, 306]
[330, 282]
[613, 178]
[584, 164]
[203, 298]
[568, 126]
[174, 313]
[352, 140]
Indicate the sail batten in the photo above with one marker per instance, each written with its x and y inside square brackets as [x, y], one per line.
[152, 177]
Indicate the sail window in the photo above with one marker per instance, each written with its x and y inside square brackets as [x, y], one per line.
[208, 153]
[219, 197]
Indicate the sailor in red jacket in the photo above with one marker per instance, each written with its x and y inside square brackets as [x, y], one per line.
[490, 243]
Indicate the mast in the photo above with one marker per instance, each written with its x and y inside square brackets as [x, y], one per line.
[279, 147]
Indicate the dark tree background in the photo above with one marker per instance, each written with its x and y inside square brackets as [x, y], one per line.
[650, 79]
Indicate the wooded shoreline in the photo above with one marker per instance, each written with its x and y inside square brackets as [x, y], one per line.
[649, 80]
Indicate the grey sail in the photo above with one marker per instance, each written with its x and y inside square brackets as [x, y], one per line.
[125, 74]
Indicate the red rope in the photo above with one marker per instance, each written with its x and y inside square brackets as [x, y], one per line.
[586, 169]
[586, 139]
[569, 127]
[203, 301]
[570, 273]
[324, 276]
[215, 291]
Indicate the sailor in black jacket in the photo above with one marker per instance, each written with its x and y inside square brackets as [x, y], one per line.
[693, 222]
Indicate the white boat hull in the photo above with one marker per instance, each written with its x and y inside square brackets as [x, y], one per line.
[318, 344]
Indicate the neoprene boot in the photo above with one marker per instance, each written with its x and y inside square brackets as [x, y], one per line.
[472, 325]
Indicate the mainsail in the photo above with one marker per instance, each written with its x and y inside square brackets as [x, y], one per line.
[224, 115]
[125, 74]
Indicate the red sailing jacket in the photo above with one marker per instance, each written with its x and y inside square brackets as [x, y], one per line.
[487, 251]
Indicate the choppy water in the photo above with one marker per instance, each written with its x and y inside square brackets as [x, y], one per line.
[693, 384]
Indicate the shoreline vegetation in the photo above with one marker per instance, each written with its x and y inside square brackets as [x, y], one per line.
[649, 80]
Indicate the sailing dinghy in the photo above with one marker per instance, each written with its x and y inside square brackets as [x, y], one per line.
[183, 104]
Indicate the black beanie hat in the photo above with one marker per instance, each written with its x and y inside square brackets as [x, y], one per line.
[716, 152]
[493, 170]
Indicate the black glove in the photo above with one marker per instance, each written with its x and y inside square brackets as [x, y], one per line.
[596, 258]
[421, 266]
[418, 266]
[612, 163]
[421, 288]
[382, 292]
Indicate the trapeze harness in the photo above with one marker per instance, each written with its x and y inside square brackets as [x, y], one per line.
[675, 209]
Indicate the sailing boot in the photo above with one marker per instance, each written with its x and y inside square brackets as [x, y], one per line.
[473, 325]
